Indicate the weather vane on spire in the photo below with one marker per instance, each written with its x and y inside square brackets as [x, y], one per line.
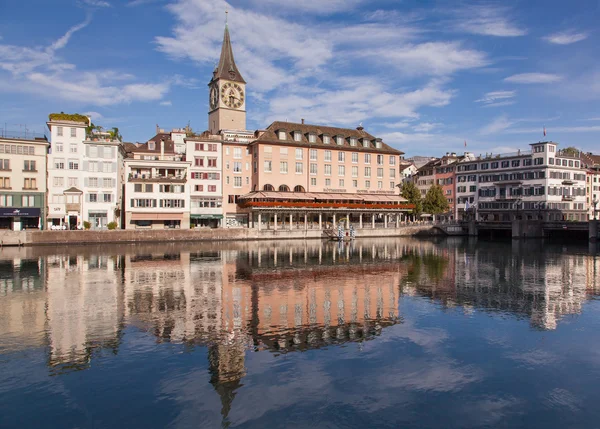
[226, 15]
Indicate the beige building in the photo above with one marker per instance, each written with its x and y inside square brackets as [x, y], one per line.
[23, 183]
[157, 192]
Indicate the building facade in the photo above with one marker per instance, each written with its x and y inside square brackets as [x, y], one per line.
[23, 183]
[591, 163]
[543, 183]
[84, 174]
[157, 190]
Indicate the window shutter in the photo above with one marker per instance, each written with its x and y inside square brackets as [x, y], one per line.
[87, 150]
[85, 166]
[100, 166]
[86, 182]
[114, 167]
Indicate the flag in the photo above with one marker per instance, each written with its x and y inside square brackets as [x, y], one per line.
[467, 205]
[465, 143]
[544, 131]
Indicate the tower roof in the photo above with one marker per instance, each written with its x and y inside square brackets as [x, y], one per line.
[227, 68]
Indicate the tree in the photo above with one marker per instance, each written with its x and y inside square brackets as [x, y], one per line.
[570, 151]
[410, 191]
[115, 135]
[435, 202]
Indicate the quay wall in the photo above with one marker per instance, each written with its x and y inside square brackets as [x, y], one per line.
[36, 238]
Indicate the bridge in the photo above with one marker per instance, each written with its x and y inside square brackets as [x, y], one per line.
[523, 228]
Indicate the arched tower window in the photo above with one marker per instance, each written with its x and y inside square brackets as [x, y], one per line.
[268, 187]
[299, 188]
[284, 188]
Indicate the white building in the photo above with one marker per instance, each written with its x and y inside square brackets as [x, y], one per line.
[206, 191]
[157, 191]
[84, 170]
[540, 183]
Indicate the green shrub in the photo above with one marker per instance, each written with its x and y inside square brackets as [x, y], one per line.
[86, 224]
[112, 225]
[62, 116]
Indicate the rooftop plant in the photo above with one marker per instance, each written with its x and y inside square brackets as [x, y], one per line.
[62, 116]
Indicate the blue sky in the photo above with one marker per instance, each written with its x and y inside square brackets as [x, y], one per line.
[424, 75]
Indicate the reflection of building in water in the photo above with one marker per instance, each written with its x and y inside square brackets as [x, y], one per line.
[83, 307]
[22, 303]
[533, 285]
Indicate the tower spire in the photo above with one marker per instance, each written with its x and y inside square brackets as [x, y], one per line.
[227, 68]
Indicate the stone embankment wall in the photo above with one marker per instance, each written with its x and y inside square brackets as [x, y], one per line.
[16, 238]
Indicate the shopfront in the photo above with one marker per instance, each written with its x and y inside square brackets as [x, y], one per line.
[205, 220]
[98, 219]
[19, 219]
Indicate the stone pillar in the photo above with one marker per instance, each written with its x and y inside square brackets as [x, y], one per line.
[348, 221]
[397, 220]
[305, 221]
[259, 221]
[291, 222]
[373, 220]
[320, 220]
[275, 217]
[360, 220]
[593, 230]
[385, 218]
[334, 221]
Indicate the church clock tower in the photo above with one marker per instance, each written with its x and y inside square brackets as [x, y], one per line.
[227, 93]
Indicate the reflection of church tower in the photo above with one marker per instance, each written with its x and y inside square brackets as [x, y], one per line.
[226, 365]
[227, 98]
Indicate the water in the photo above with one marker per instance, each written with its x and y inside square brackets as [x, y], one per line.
[383, 333]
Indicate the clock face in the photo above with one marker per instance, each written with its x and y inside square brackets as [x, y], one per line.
[214, 97]
[232, 95]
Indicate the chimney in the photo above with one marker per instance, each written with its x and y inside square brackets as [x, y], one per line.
[302, 121]
[162, 149]
[157, 129]
[453, 154]
[447, 153]
[360, 127]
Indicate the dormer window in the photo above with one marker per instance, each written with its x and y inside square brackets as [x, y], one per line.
[378, 143]
[366, 142]
[339, 140]
[352, 141]
[151, 146]
[281, 135]
[312, 138]
[325, 139]
[297, 136]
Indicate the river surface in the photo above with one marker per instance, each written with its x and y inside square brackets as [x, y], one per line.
[398, 333]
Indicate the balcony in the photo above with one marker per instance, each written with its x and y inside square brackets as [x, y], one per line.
[509, 181]
[505, 197]
[568, 182]
[150, 178]
[72, 207]
[568, 197]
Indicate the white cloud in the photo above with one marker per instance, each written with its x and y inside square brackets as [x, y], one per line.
[500, 104]
[494, 96]
[64, 39]
[166, 103]
[498, 125]
[426, 126]
[97, 3]
[566, 37]
[319, 7]
[590, 119]
[487, 20]
[533, 78]
[563, 129]
[94, 115]
[136, 3]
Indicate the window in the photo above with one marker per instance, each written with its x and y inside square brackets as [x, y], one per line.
[59, 181]
[352, 141]
[59, 147]
[325, 139]
[380, 185]
[354, 158]
[93, 166]
[268, 165]
[283, 167]
[93, 182]
[73, 132]
[29, 184]
[313, 169]
[93, 198]
[28, 201]
[526, 162]
[227, 150]
[354, 171]
[212, 188]
[59, 164]
[366, 142]
[237, 167]
[515, 163]
[149, 187]
[313, 181]
[237, 182]
[6, 200]
[312, 138]
[367, 184]
[5, 164]
[59, 131]
[327, 169]
[392, 172]
[494, 165]
[378, 144]
[5, 182]
[367, 158]
[212, 162]
[538, 161]
[341, 156]
[237, 153]
[283, 151]
[171, 203]
[341, 183]
[313, 154]
[327, 156]
[107, 167]
[355, 183]
[505, 164]
[107, 198]
[379, 159]
[472, 188]
[380, 172]
[299, 167]
[485, 166]
[198, 162]
[73, 148]
[327, 182]
[73, 164]
[392, 160]
[281, 135]
[199, 188]
[297, 136]
[339, 140]
[341, 170]
[367, 171]
[72, 181]
[298, 153]
[151, 146]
